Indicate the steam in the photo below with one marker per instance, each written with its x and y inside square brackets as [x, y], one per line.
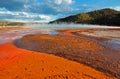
[65, 25]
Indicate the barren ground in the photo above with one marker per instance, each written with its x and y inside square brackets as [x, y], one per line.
[76, 46]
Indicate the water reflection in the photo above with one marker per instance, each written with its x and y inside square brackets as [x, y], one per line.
[113, 43]
[16, 34]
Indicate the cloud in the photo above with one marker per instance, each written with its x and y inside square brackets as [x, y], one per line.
[67, 2]
[116, 8]
[22, 16]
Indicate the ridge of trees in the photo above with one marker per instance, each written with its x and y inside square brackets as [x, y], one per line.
[100, 17]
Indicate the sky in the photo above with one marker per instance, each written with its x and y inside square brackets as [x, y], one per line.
[48, 10]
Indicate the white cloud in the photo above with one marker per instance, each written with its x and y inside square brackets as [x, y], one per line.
[67, 2]
[58, 2]
[116, 8]
[44, 17]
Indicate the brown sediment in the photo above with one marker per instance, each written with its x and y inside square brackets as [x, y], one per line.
[112, 55]
[83, 49]
[16, 63]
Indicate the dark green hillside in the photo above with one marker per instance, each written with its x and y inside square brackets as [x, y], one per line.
[103, 13]
[100, 17]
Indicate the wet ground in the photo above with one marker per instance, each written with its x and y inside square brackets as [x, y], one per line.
[18, 63]
[91, 50]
